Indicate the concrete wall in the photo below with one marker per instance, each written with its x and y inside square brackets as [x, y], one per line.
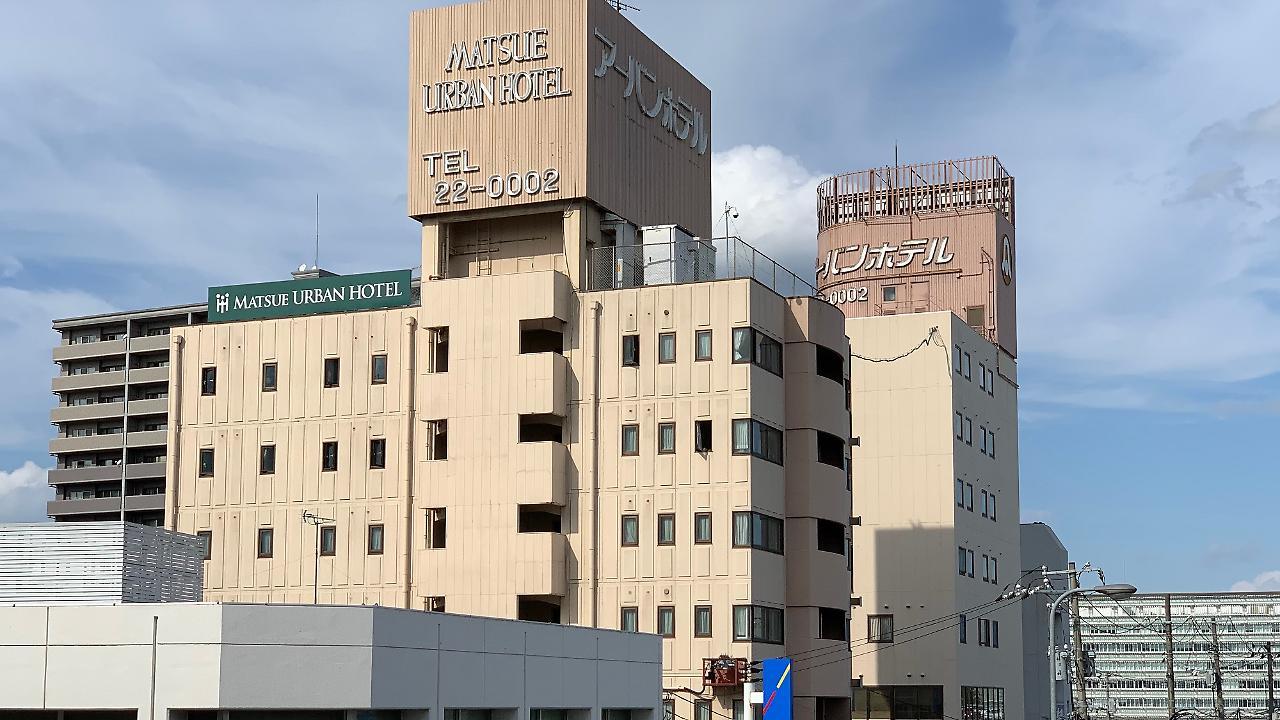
[1041, 548]
[305, 657]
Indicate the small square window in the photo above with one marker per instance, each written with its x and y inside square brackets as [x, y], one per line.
[206, 462]
[208, 381]
[378, 371]
[630, 351]
[630, 530]
[267, 460]
[702, 621]
[630, 620]
[434, 603]
[331, 367]
[702, 528]
[702, 345]
[890, 293]
[666, 438]
[630, 439]
[328, 541]
[667, 621]
[268, 377]
[666, 529]
[206, 536]
[266, 542]
[879, 628]
[666, 347]
[378, 453]
[329, 456]
[375, 539]
[701, 710]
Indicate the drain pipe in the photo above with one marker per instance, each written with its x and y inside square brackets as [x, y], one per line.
[596, 310]
[411, 374]
[175, 436]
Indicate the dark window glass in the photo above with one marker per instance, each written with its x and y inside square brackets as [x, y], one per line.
[831, 537]
[630, 620]
[378, 372]
[702, 345]
[630, 530]
[630, 439]
[666, 621]
[375, 539]
[631, 351]
[436, 528]
[830, 450]
[964, 629]
[208, 381]
[266, 459]
[206, 462]
[743, 345]
[702, 528]
[830, 364]
[758, 531]
[702, 436]
[758, 624]
[331, 372]
[666, 438]
[832, 624]
[329, 540]
[702, 621]
[768, 353]
[666, 347]
[266, 542]
[268, 377]
[763, 441]
[378, 453]
[666, 529]
[206, 536]
[879, 628]
[329, 456]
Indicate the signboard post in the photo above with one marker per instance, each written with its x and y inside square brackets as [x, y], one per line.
[775, 681]
[312, 296]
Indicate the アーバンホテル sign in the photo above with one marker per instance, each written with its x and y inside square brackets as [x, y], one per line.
[312, 296]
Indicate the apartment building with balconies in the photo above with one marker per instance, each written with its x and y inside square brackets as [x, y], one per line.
[111, 417]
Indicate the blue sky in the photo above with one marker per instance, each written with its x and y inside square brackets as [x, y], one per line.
[148, 150]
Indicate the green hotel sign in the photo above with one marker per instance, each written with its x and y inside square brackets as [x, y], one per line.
[313, 296]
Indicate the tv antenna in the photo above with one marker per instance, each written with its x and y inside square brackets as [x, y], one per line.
[316, 261]
[730, 213]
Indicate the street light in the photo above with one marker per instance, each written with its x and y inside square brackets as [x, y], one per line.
[1115, 592]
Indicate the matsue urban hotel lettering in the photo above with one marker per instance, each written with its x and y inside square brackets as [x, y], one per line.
[489, 52]
[309, 296]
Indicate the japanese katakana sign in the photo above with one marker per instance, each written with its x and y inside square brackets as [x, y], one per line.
[931, 252]
[678, 116]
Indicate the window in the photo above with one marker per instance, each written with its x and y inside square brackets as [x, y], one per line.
[991, 444]
[702, 436]
[982, 376]
[630, 530]
[375, 539]
[879, 628]
[890, 293]
[737, 710]
[832, 624]
[970, 552]
[959, 493]
[666, 621]
[666, 347]
[630, 351]
[437, 439]
[968, 497]
[982, 702]
[984, 503]
[328, 540]
[331, 366]
[702, 621]
[991, 383]
[329, 456]
[666, 529]
[964, 629]
[963, 557]
[764, 441]
[959, 426]
[968, 431]
[984, 632]
[266, 459]
[742, 345]
[975, 317]
[752, 346]
[206, 536]
[206, 462]
[966, 366]
[378, 370]
[991, 506]
[433, 603]
[266, 540]
[377, 453]
[983, 431]
[829, 364]
[956, 360]
[701, 710]
[208, 381]
[702, 345]
[666, 438]
[986, 569]
[436, 527]
[830, 537]
[630, 620]
[994, 567]
[830, 450]
[437, 350]
[268, 377]
[757, 531]
[757, 624]
[701, 528]
[995, 633]
[630, 439]
[668, 710]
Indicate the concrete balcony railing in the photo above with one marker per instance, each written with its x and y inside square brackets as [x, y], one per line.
[152, 374]
[817, 402]
[540, 564]
[61, 476]
[61, 445]
[145, 438]
[144, 502]
[96, 411]
[149, 343]
[148, 407]
[543, 380]
[82, 351]
[89, 506]
[144, 471]
[63, 383]
[540, 473]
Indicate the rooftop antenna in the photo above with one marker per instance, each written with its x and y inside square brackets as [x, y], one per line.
[729, 212]
[316, 263]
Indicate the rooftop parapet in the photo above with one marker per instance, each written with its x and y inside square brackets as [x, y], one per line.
[922, 188]
[687, 261]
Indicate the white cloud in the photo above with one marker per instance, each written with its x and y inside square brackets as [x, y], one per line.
[1265, 582]
[23, 493]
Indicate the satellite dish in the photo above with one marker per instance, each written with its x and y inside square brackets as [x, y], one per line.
[302, 267]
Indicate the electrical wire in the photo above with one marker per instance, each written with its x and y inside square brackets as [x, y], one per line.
[933, 331]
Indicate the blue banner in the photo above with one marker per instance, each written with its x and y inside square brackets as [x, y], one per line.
[775, 681]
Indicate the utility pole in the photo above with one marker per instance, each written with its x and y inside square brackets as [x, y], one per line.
[1079, 705]
[1168, 655]
[1271, 686]
[1219, 706]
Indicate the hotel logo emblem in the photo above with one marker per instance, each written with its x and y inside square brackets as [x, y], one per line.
[1006, 261]
[223, 301]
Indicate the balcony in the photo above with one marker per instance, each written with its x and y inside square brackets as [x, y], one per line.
[143, 502]
[61, 476]
[540, 564]
[542, 378]
[148, 407]
[96, 411]
[540, 473]
[144, 438]
[63, 383]
[688, 261]
[817, 402]
[146, 375]
[60, 445]
[83, 351]
[149, 343]
[89, 506]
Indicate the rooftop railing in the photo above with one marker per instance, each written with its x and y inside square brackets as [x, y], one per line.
[689, 261]
[921, 188]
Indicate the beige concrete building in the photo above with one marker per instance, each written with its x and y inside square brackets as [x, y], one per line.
[920, 259]
[587, 418]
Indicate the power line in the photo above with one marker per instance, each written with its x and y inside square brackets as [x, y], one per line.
[933, 331]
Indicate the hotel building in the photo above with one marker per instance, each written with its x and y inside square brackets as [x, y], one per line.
[920, 259]
[594, 414]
